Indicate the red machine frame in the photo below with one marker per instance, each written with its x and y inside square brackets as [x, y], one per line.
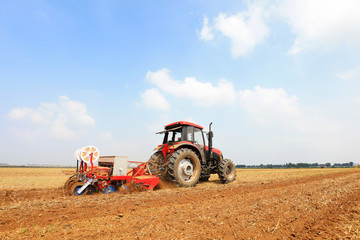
[138, 176]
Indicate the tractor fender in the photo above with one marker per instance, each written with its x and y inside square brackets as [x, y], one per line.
[193, 147]
[217, 151]
[218, 156]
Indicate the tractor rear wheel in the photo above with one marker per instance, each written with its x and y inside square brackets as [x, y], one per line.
[184, 167]
[227, 171]
[156, 164]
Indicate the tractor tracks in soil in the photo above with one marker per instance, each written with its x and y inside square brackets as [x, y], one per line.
[307, 207]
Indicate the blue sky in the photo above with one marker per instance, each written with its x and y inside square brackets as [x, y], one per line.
[279, 79]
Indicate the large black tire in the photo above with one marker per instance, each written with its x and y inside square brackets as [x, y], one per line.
[227, 171]
[156, 164]
[184, 167]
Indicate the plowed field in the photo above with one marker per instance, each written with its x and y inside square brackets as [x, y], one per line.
[260, 204]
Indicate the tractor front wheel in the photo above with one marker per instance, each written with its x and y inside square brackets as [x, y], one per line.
[184, 167]
[227, 171]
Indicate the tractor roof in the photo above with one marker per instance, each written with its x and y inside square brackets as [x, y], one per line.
[181, 123]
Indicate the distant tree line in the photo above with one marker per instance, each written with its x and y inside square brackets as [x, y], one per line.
[5, 165]
[299, 165]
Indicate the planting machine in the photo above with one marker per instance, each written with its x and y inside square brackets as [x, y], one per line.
[108, 174]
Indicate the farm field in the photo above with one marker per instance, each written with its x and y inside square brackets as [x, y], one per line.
[260, 204]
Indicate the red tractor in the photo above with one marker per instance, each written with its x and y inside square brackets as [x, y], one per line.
[185, 159]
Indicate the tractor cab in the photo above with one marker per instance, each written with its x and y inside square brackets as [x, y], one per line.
[187, 134]
[183, 132]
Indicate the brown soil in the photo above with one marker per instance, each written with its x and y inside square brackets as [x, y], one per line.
[165, 185]
[308, 207]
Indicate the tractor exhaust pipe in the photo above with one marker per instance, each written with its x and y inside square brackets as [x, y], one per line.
[210, 136]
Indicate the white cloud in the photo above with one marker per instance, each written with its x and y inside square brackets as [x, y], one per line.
[266, 104]
[273, 107]
[40, 116]
[349, 74]
[155, 100]
[60, 130]
[206, 33]
[265, 107]
[201, 93]
[65, 119]
[245, 29]
[321, 23]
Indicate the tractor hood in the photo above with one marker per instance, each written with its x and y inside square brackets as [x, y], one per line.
[215, 150]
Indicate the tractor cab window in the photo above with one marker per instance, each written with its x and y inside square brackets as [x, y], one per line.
[172, 136]
[198, 137]
[188, 133]
[184, 133]
[206, 138]
[192, 134]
